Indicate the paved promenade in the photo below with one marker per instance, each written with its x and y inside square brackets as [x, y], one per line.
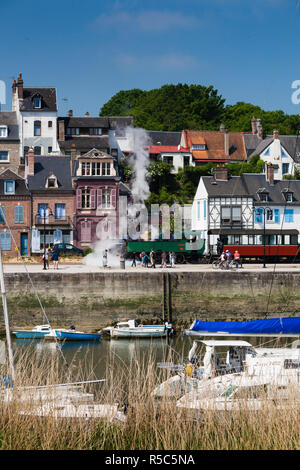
[82, 268]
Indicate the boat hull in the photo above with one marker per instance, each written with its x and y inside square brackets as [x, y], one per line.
[138, 333]
[76, 336]
[30, 334]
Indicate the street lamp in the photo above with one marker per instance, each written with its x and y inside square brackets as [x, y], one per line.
[264, 211]
[44, 217]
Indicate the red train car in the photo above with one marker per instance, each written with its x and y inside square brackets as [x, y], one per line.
[276, 252]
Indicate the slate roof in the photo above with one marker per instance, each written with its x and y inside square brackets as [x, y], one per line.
[109, 122]
[44, 167]
[249, 184]
[85, 143]
[254, 145]
[21, 188]
[9, 119]
[48, 99]
[164, 138]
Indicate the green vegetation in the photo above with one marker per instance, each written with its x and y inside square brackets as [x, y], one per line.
[182, 106]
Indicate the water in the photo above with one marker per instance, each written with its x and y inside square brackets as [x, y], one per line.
[92, 358]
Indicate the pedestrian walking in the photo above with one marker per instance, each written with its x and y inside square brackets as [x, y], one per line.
[46, 259]
[145, 260]
[164, 259]
[237, 259]
[55, 258]
[152, 258]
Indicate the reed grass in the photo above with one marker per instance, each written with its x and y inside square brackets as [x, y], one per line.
[149, 425]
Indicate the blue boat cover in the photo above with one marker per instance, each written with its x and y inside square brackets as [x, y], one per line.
[287, 325]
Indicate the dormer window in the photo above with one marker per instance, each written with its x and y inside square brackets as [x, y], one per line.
[263, 195]
[51, 182]
[288, 195]
[9, 187]
[37, 102]
[3, 131]
[198, 147]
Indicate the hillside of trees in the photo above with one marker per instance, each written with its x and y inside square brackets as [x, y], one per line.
[182, 106]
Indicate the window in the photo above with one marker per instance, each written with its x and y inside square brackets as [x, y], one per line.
[95, 131]
[258, 218]
[289, 215]
[230, 214]
[52, 182]
[186, 160]
[288, 196]
[3, 131]
[37, 102]
[267, 152]
[225, 214]
[50, 123]
[43, 210]
[86, 198]
[263, 197]
[168, 159]
[198, 147]
[4, 156]
[60, 211]
[198, 210]
[9, 187]
[283, 154]
[204, 208]
[37, 128]
[2, 215]
[236, 213]
[285, 168]
[106, 198]
[270, 215]
[105, 169]
[19, 214]
[5, 241]
[37, 150]
[49, 149]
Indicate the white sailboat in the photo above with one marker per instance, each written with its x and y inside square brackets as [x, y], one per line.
[131, 329]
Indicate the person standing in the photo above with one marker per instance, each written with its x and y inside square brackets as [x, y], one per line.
[236, 257]
[105, 259]
[133, 264]
[164, 259]
[173, 259]
[55, 258]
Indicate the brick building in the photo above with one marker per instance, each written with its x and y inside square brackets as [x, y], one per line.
[15, 214]
[50, 183]
[97, 187]
[9, 143]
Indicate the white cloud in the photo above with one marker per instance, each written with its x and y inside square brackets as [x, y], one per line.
[165, 61]
[151, 20]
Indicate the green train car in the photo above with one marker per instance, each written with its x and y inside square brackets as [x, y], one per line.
[187, 249]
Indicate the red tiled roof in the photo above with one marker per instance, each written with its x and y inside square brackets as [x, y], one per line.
[215, 145]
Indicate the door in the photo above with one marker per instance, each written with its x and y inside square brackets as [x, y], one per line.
[24, 244]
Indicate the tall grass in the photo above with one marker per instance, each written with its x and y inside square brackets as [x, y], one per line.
[149, 425]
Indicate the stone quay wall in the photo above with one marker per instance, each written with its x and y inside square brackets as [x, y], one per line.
[94, 300]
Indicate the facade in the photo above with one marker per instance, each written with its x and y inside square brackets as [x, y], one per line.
[97, 188]
[50, 183]
[241, 210]
[78, 135]
[165, 147]
[9, 142]
[282, 151]
[15, 214]
[36, 110]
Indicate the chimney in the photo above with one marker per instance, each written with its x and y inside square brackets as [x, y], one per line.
[221, 173]
[270, 173]
[259, 128]
[226, 142]
[14, 87]
[61, 130]
[29, 167]
[253, 126]
[87, 114]
[20, 86]
[275, 134]
[70, 113]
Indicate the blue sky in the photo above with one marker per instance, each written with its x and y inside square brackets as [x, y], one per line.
[89, 50]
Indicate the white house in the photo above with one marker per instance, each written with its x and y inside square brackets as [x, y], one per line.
[240, 210]
[36, 110]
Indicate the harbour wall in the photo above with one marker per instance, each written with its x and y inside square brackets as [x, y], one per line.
[95, 300]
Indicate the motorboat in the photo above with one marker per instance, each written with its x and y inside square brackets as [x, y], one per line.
[74, 335]
[225, 357]
[131, 329]
[37, 332]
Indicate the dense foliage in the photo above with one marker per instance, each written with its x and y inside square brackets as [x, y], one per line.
[182, 106]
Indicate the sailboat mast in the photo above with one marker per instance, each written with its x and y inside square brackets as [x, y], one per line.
[8, 338]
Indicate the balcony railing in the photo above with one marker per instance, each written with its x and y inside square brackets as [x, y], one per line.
[52, 220]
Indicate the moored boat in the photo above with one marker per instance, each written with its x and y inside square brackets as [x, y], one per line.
[74, 335]
[37, 332]
[131, 329]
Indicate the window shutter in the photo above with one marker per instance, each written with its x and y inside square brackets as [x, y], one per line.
[99, 198]
[276, 216]
[78, 198]
[86, 228]
[258, 216]
[93, 199]
[113, 198]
